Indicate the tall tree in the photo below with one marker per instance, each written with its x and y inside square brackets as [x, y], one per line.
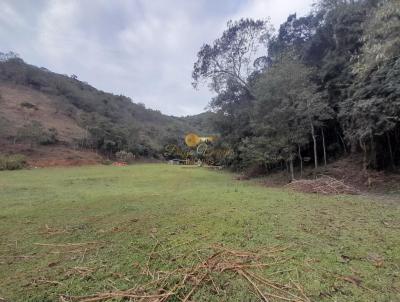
[288, 102]
[370, 115]
[232, 56]
[330, 80]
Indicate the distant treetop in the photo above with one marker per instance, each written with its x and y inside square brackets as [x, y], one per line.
[8, 56]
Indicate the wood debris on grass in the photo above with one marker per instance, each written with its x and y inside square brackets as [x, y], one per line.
[325, 185]
[20, 257]
[77, 250]
[43, 280]
[49, 231]
[67, 244]
[81, 271]
[182, 283]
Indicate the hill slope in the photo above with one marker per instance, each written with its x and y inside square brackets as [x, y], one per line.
[39, 107]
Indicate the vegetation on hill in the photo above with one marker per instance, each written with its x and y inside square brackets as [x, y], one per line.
[325, 85]
[105, 122]
[12, 162]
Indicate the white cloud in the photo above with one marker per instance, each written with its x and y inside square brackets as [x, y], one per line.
[143, 49]
[9, 16]
[58, 37]
[277, 10]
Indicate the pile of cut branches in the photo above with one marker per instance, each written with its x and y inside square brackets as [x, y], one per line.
[323, 185]
[182, 283]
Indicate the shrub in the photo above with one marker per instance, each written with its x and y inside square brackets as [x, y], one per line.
[12, 162]
[35, 133]
[29, 105]
[106, 162]
[49, 137]
[124, 156]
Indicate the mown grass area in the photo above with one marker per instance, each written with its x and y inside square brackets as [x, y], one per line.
[124, 220]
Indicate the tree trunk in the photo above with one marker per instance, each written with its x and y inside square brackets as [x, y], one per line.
[301, 162]
[291, 167]
[372, 156]
[342, 140]
[312, 134]
[396, 136]
[323, 145]
[390, 151]
[365, 163]
[287, 168]
[315, 145]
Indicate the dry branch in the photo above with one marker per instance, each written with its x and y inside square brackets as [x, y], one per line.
[182, 283]
[66, 244]
[323, 185]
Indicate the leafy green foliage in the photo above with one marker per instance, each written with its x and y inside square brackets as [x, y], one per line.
[287, 108]
[12, 162]
[231, 57]
[124, 156]
[381, 38]
[35, 133]
[4, 126]
[330, 85]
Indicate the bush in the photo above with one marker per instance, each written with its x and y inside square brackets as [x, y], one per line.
[29, 105]
[124, 156]
[106, 162]
[49, 137]
[12, 162]
[35, 133]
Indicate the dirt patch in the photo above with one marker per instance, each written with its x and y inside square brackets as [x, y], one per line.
[51, 156]
[21, 105]
[349, 170]
[61, 156]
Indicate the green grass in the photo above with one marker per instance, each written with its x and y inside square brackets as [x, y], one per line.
[127, 210]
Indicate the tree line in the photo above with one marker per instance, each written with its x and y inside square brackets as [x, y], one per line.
[322, 86]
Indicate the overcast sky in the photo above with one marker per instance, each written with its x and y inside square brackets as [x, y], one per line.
[144, 49]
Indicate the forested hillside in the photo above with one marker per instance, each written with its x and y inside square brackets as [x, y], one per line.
[39, 107]
[323, 86]
[320, 87]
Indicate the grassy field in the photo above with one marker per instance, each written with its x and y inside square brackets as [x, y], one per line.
[72, 232]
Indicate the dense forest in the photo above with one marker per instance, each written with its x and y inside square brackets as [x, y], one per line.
[322, 86]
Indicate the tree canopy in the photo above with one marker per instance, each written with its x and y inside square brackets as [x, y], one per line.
[234, 56]
[329, 83]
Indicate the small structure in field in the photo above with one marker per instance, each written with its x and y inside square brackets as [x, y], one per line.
[179, 162]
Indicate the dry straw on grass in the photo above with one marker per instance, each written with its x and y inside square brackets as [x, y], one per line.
[323, 185]
[182, 283]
